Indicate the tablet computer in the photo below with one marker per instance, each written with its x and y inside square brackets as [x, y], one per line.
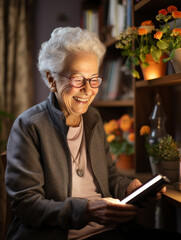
[149, 188]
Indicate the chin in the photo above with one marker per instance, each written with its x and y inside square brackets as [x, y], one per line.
[80, 112]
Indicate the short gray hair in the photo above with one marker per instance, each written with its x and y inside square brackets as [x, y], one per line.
[64, 41]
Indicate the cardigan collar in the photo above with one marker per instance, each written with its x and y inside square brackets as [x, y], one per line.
[56, 114]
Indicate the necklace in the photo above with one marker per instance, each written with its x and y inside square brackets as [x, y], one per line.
[79, 171]
[76, 158]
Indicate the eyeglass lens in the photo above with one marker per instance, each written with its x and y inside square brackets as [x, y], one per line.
[80, 81]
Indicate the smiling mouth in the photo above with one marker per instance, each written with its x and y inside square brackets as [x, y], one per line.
[81, 100]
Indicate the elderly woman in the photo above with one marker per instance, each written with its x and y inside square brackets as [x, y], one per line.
[60, 176]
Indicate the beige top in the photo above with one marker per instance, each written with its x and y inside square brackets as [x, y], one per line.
[82, 187]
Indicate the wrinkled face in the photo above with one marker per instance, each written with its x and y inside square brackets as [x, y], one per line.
[75, 101]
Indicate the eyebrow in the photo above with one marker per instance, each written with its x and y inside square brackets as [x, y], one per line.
[95, 74]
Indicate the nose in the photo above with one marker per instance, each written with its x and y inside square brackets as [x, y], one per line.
[87, 88]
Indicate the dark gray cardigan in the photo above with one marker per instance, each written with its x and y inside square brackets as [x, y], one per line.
[38, 173]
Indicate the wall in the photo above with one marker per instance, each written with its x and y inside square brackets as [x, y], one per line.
[49, 14]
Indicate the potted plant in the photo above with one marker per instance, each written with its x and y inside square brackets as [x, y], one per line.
[150, 43]
[120, 137]
[165, 154]
[169, 38]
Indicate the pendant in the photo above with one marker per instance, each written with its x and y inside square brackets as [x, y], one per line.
[80, 172]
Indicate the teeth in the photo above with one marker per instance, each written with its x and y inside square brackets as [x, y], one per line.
[81, 99]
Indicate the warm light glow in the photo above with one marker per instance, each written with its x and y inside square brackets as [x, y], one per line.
[154, 70]
[153, 75]
[141, 189]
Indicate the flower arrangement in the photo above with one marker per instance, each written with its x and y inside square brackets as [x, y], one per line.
[165, 150]
[151, 40]
[168, 39]
[120, 135]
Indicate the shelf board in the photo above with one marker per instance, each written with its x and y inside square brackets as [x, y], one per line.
[110, 42]
[114, 103]
[140, 4]
[173, 196]
[173, 79]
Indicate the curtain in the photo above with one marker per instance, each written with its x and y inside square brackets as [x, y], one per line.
[16, 80]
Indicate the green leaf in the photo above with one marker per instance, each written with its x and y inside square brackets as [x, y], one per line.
[165, 60]
[136, 61]
[135, 74]
[145, 64]
[129, 62]
[172, 54]
[156, 53]
[146, 49]
[162, 45]
[142, 57]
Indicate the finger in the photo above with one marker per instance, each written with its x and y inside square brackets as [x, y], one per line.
[120, 214]
[117, 205]
[107, 220]
[133, 186]
[163, 190]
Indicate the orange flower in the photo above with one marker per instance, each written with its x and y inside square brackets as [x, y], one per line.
[176, 14]
[142, 31]
[171, 9]
[111, 126]
[125, 122]
[147, 23]
[176, 31]
[163, 12]
[145, 130]
[111, 138]
[158, 35]
[134, 28]
[131, 137]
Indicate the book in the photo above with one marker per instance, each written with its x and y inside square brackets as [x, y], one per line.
[150, 188]
[116, 17]
[129, 13]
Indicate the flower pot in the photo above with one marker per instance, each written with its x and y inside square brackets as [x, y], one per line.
[154, 70]
[125, 161]
[176, 61]
[169, 169]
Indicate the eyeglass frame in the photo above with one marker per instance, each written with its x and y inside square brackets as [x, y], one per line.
[84, 80]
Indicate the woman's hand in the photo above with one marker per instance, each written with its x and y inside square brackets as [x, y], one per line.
[133, 186]
[109, 211]
[150, 199]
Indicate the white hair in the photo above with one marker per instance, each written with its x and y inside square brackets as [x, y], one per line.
[64, 41]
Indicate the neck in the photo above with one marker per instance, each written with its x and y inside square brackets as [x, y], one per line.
[73, 120]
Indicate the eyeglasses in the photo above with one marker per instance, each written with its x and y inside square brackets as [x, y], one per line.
[80, 81]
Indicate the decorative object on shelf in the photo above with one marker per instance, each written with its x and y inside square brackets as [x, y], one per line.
[157, 120]
[166, 154]
[120, 136]
[176, 60]
[150, 40]
[154, 69]
[157, 130]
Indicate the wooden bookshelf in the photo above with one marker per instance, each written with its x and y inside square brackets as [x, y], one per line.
[173, 196]
[174, 79]
[110, 42]
[169, 88]
[114, 103]
[140, 4]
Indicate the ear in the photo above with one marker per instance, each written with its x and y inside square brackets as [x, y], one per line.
[51, 82]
